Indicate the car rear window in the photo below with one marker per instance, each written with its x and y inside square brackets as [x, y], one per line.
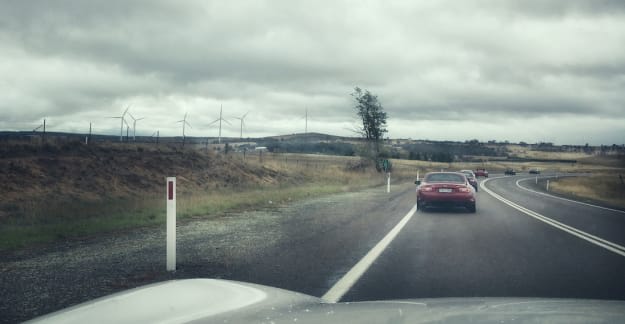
[445, 177]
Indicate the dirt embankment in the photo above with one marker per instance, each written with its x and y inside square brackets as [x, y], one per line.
[74, 171]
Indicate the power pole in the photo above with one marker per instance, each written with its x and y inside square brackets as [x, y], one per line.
[43, 136]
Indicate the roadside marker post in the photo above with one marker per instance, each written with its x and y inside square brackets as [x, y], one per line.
[547, 185]
[171, 223]
[388, 182]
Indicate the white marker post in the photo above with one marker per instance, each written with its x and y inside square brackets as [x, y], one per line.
[171, 223]
[388, 182]
[417, 174]
[547, 185]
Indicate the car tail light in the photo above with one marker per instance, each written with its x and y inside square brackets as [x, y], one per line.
[464, 189]
[426, 188]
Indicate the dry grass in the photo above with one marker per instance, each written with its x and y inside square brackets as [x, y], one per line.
[604, 187]
[526, 152]
[235, 186]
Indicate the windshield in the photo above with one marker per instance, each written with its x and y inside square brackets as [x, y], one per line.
[298, 145]
[445, 177]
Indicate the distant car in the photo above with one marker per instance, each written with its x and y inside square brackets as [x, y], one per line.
[481, 172]
[445, 189]
[534, 171]
[471, 177]
[509, 171]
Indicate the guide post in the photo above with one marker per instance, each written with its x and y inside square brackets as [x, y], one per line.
[171, 223]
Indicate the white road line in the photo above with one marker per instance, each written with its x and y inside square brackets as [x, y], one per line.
[569, 200]
[351, 277]
[613, 247]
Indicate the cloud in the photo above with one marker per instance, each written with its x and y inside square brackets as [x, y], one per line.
[444, 61]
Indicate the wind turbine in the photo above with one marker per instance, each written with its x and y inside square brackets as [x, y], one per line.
[242, 118]
[184, 123]
[134, 126]
[155, 134]
[219, 120]
[306, 127]
[122, 122]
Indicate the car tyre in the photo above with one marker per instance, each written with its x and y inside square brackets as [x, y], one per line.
[421, 206]
[472, 209]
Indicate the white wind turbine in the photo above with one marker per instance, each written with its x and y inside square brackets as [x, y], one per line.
[242, 119]
[134, 126]
[184, 123]
[122, 122]
[306, 125]
[220, 119]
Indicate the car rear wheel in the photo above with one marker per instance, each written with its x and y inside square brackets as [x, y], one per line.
[471, 208]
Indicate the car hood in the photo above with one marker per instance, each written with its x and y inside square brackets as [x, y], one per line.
[222, 301]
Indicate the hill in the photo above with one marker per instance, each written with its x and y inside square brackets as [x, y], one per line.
[52, 175]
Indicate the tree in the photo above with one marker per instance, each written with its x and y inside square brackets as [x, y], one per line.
[373, 118]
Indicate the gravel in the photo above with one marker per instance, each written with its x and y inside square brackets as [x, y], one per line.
[300, 246]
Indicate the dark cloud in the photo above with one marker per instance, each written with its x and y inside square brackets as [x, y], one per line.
[434, 61]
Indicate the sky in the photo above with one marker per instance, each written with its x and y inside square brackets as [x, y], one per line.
[524, 70]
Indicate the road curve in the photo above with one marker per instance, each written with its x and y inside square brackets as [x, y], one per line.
[500, 251]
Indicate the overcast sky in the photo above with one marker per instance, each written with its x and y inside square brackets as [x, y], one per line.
[525, 70]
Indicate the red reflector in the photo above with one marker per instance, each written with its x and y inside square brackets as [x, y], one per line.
[170, 190]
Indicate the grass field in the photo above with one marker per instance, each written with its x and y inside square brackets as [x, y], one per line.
[603, 187]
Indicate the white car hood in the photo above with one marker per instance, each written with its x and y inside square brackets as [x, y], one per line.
[221, 301]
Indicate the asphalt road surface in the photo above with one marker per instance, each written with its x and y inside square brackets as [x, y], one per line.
[503, 251]
[368, 245]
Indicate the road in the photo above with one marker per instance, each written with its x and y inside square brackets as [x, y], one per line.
[508, 248]
[501, 251]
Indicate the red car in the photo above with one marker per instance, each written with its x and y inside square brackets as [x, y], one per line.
[445, 189]
[481, 172]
